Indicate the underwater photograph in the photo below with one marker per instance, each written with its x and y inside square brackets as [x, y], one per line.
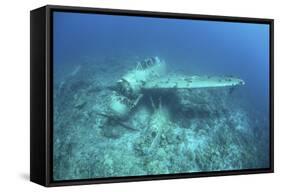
[139, 96]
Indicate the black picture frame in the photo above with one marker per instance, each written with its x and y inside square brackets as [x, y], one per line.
[41, 87]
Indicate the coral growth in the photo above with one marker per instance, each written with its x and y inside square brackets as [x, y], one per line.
[185, 131]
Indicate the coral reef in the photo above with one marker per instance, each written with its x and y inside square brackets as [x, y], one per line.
[171, 132]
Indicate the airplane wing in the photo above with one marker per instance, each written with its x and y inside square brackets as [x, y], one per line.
[190, 82]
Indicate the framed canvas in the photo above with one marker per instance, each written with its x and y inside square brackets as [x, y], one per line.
[123, 95]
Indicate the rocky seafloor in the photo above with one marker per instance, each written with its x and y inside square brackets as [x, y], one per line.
[177, 131]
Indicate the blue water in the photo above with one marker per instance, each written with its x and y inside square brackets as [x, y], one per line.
[95, 50]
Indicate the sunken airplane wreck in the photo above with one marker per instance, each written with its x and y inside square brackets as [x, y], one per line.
[150, 75]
